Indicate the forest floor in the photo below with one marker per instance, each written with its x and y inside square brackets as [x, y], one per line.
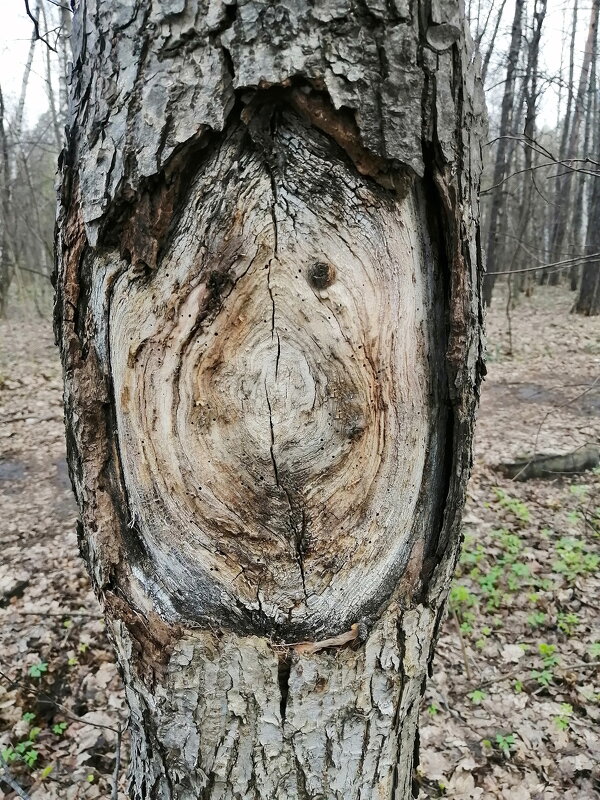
[513, 707]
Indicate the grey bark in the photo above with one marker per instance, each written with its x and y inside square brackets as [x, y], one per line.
[588, 297]
[526, 215]
[494, 250]
[564, 201]
[268, 309]
[64, 57]
[590, 138]
[5, 198]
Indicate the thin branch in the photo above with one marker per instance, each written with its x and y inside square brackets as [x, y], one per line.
[5, 777]
[565, 163]
[36, 27]
[557, 265]
[115, 789]
[462, 647]
[523, 671]
[63, 709]
[58, 614]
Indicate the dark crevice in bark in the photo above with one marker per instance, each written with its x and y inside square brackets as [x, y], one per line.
[415, 764]
[272, 446]
[284, 668]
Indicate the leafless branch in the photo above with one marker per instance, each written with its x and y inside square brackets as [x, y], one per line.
[556, 265]
[36, 27]
[5, 777]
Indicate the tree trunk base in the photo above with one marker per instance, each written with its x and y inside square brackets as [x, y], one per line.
[238, 717]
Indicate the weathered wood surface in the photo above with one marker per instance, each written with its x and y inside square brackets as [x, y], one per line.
[268, 312]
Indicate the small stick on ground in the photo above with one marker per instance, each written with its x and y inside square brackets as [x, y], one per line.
[6, 778]
[462, 647]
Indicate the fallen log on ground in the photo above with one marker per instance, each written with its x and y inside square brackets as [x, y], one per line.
[549, 465]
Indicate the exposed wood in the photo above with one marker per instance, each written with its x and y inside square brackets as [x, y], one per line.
[269, 319]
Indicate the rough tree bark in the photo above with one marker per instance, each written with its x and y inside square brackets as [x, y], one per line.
[268, 309]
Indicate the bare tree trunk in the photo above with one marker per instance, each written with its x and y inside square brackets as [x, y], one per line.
[493, 250]
[5, 192]
[588, 299]
[531, 99]
[566, 182]
[492, 43]
[64, 56]
[18, 123]
[269, 319]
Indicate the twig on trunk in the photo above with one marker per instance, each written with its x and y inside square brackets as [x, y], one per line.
[46, 697]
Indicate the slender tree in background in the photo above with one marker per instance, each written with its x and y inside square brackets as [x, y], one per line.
[52, 104]
[492, 41]
[5, 198]
[565, 181]
[268, 313]
[28, 164]
[495, 220]
[582, 178]
[588, 298]
[530, 96]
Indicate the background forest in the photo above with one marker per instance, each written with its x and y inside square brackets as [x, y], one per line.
[512, 709]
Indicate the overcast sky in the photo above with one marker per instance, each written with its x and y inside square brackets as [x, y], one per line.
[15, 34]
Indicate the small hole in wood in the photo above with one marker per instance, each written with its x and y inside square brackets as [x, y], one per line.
[321, 275]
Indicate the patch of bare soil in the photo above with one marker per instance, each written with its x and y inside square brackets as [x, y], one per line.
[512, 708]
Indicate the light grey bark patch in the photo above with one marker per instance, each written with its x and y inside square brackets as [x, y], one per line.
[347, 733]
[442, 37]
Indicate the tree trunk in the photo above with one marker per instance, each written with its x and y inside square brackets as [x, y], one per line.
[54, 116]
[588, 298]
[268, 313]
[564, 203]
[530, 86]
[493, 251]
[5, 198]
